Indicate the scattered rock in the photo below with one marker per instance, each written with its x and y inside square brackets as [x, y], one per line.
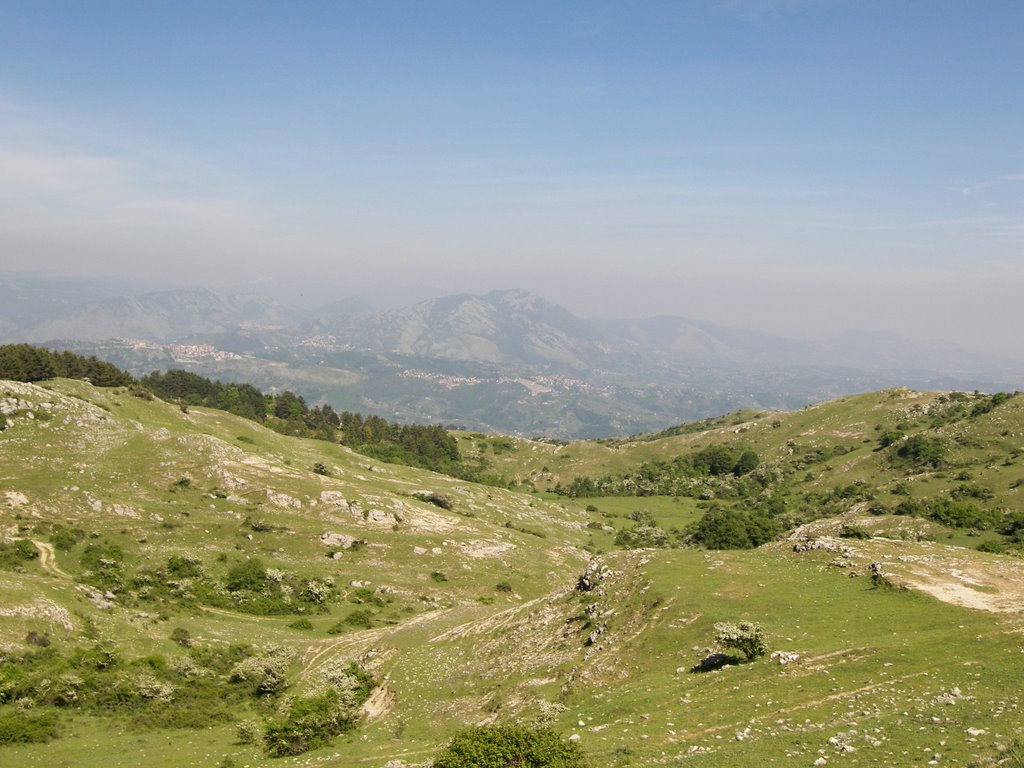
[592, 576]
[16, 498]
[827, 545]
[949, 697]
[334, 498]
[279, 499]
[337, 540]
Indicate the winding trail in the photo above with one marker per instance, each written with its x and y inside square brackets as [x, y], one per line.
[318, 654]
[239, 614]
[48, 560]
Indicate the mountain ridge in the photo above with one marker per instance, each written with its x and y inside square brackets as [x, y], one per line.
[505, 360]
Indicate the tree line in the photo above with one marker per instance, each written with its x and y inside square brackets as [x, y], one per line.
[24, 362]
[426, 446]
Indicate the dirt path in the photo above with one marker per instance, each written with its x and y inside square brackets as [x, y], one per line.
[316, 655]
[48, 560]
[488, 623]
[238, 614]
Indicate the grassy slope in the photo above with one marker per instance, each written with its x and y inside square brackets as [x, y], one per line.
[989, 447]
[874, 662]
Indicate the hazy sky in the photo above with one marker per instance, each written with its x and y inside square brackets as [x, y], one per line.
[798, 166]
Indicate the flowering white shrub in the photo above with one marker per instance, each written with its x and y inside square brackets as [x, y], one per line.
[746, 637]
[267, 670]
[148, 687]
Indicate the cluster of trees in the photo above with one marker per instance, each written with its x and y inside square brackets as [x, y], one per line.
[735, 529]
[719, 528]
[954, 513]
[418, 445]
[24, 362]
[667, 478]
[192, 389]
[285, 412]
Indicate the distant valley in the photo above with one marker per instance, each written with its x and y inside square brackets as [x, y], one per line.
[505, 361]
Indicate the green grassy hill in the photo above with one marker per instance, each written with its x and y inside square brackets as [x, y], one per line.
[168, 575]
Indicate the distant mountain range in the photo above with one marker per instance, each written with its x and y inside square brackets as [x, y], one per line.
[506, 360]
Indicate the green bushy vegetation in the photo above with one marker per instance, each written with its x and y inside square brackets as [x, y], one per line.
[747, 637]
[734, 529]
[15, 554]
[152, 691]
[681, 476]
[510, 746]
[28, 727]
[313, 720]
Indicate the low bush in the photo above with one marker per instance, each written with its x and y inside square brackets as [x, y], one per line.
[747, 637]
[312, 721]
[359, 619]
[24, 728]
[510, 746]
[15, 554]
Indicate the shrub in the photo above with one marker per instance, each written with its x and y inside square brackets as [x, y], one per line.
[716, 460]
[923, 450]
[312, 721]
[182, 637]
[104, 564]
[890, 437]
[65, 538]
[17, 553]
[503, 586]
[301, 624]
[510, 746]
[993, 547]
[249, 575]
[848, 531]
[358, 619]
[437, 499]
[267, 672]
[747, 462]
[962, 514]
[747, 637]
[38, 640]
[21, 728]
[184, 567]
[247, 731]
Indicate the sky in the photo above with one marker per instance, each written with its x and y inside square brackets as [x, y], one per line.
[794, 166]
